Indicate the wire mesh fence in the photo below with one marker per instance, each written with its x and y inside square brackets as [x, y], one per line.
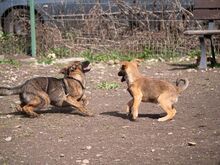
[71, 27]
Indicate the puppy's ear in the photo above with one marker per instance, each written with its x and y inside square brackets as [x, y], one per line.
[63, 71]
[123, 64]
[138, 61]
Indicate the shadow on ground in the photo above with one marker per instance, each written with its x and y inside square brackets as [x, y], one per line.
[183, 66]
[125, 116]
[70, 111]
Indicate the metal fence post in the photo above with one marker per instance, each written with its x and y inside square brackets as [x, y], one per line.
[33, 32]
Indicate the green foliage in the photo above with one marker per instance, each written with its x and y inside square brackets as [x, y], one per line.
[146, 54]
[61, 52]
[104, 57]
[10, 62]
[194, 53]
[108, 85]
[45, 60]
[11, 44]
[95, 57]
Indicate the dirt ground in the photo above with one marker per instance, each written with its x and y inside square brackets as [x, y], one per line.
[62, 136]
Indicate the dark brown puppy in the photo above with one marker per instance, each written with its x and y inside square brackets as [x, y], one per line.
[39, 92]
[146, 89]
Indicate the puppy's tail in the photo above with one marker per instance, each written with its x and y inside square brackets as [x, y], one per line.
[6, 91]
[184, 86]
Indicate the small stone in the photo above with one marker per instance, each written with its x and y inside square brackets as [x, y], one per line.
[78, 161]
[117, 61]
[123, 136]
[13, 79]
[88, 147]
[191, 70]
[117, 160]
[98, 155]
[86, 161]
[8, 139]
[62, 155]
[152, 150]
[9, 116]
[18, 126]
[170, 133]
[110, 62]
[191, 143]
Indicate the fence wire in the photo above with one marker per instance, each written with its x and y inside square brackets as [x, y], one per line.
[153, 27]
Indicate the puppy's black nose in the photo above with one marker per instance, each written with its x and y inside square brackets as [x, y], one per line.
[120, 73]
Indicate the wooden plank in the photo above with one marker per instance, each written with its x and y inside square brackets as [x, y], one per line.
[204, 4]
[202, 32]
[206, 14]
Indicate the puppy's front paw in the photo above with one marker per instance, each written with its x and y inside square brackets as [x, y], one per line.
[133, 116]
[164, 118]
[88, 114]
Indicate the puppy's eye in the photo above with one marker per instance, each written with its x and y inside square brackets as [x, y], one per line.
[72, 69]
[123, 67]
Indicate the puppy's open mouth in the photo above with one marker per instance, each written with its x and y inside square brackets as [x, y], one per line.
[86, 69]
[86, 66]
[123, 79]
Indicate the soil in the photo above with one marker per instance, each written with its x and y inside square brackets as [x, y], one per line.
[63, 136]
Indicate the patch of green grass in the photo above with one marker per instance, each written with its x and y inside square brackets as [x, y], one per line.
[10, 62]
[108, 85]
[61, 52]
[194, 53]
[104, 57]
[45, 60]
[95, 57]
[147, 53]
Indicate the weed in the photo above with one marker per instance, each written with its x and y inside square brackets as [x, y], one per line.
[10, 62]
[104, 57]
[108, 85]
[61, 52]
[95, 57]
[194, 53]
[45, 60]
[146, 54]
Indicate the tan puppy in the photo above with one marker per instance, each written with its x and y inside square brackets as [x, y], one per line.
[146, 89]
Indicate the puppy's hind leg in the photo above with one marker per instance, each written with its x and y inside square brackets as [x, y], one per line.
[19, 107]
[173, 111]
[128, 107]
[166, 105]
[31, 106]
[136, 103]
